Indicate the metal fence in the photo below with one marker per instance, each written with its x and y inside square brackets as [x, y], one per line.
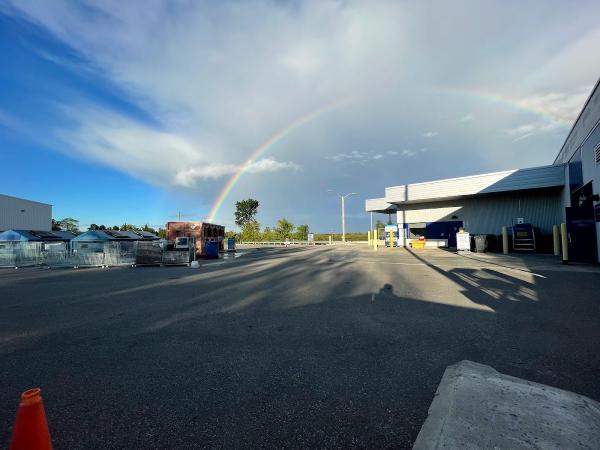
[89, 254]
[20, 254]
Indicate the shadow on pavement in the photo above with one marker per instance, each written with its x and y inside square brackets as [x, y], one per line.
[294, 348]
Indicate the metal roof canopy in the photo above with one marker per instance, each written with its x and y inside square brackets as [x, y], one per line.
[36, 235]
[534, 178]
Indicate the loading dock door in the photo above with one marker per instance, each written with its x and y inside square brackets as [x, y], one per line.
[581, 231]
[443, 230]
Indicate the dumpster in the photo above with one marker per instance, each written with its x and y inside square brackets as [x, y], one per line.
[231, 244]
[480, 243]
[211, 250]
[419, 243]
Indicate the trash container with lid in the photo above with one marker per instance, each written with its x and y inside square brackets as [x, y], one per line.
[480, 243]
[211, 250]
[231, 244]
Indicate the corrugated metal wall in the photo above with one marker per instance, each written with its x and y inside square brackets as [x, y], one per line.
[487, 215]
[510, 180]
[20, 214]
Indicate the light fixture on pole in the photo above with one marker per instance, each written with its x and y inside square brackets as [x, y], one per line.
[343, 198]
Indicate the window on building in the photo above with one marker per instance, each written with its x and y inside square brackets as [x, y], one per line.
[575, 171]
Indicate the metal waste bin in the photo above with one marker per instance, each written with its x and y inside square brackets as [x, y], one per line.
[211, 250]
[231, 244]
[480, 243]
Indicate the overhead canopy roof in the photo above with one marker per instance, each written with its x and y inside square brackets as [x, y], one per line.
[471, 186]
[379, 205]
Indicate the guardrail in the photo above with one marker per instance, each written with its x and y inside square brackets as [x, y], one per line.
[298, 243]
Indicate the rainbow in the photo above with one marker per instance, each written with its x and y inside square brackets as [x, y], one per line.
[514, 103]
[260, 150]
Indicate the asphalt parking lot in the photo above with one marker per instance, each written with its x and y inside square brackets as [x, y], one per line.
[334, 347]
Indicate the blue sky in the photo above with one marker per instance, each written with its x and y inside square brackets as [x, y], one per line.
[132, 111]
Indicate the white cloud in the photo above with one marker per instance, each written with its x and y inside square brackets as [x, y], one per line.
[217, 80]
[150, 154]
[271, 165]
[191, 176]
[562, 107]
[357, 156]
[527, 130]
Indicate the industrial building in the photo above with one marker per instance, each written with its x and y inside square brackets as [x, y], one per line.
[20, 214]
[565, 191]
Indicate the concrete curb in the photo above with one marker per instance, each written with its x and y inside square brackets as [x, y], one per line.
[476, 407]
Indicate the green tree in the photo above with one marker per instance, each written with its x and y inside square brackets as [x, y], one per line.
[55, 225]
[284, 229]
[127, 227]
[162, 233]
[93, 227]
[115, 227]
[251, 231]
[302, 233]
[245, 211]
[267, 234]
[149, 229]
[69, 224]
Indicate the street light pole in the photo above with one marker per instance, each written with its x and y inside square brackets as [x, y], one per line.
[343, 198]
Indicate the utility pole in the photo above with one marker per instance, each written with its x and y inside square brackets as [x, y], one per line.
[180, 216]
[343, 198]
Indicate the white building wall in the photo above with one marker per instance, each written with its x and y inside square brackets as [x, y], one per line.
[487, 215]
[591, 168]
[487, 183]
[21, 214]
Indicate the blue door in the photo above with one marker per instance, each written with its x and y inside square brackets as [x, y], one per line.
[443, 230]
[581, 233]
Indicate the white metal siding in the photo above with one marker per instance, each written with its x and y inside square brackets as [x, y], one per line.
[488, 215]
[376, 204]
[395, 194]
[510, 180]
[20, 214]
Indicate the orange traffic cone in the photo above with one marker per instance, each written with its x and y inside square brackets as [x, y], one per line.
[31, 429]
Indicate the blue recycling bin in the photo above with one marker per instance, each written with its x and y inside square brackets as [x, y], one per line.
[231, 244]
[211, 250]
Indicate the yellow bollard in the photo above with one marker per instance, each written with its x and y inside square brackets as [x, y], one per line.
[556, 239]
[329, 239]
[391, 240]
[565, 243]
[369, 237]
[375, 239]
[504, 240]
